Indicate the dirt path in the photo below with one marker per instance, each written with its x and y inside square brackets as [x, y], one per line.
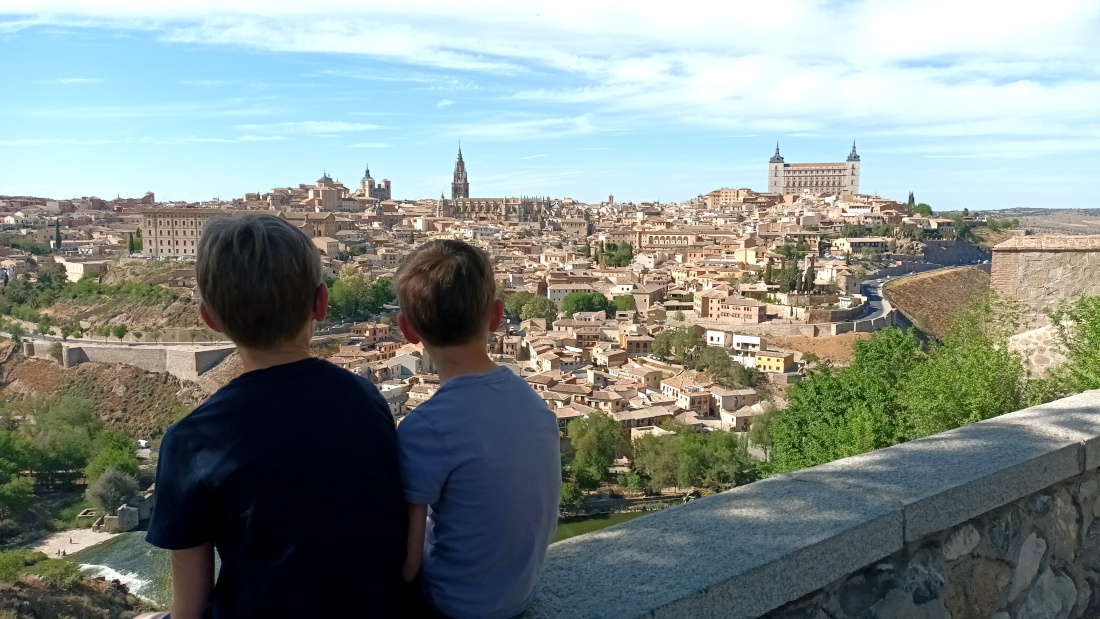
[71, 541]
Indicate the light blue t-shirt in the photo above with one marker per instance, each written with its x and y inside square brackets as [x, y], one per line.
[483, 453]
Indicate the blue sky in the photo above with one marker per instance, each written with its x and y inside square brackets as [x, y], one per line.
[965, 103]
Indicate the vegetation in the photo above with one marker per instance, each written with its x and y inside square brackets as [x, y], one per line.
[715, 460]
[1077, 330]
[526, 306]
[997, 225]
[894, 391]
[616, 255]
[585, 302]
[112, 489]
[354, 296]
[683, 345]
[57, 436]
[623, 303]
[595, 439]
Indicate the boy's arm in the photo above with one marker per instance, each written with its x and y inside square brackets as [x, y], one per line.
[418, 518]
[192, 580]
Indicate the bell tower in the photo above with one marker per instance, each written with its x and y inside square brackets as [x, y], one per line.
[851, 175]
[775, 172]
[460, 185]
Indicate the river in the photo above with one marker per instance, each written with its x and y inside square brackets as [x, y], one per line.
[145, 570]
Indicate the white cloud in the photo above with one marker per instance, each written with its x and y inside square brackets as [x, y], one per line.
[77, 80]
[53, 142]
[312, 127]
[444, 103]
[260, 138]
[533, 156]
[369, 145]
[959, 68]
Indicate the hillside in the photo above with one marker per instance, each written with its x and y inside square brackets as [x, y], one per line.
[31, 596]
[932, 300]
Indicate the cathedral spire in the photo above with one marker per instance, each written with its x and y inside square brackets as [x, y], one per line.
[853, 156]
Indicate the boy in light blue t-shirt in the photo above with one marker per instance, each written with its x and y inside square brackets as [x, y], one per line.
[482, 452]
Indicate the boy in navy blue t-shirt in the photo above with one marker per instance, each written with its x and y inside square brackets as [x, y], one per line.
[290, 471]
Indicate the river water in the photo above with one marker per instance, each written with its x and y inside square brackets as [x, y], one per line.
[145, 569]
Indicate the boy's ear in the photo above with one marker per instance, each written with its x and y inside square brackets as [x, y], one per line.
[407, 329]
[496, 315]
[208, 318]
[320, 303]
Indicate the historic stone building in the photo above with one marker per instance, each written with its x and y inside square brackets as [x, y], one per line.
[368, 188]
[462, 206]
[1040, 272]
[796, 178]
[460, 185]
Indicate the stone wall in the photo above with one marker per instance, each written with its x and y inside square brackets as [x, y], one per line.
[995, 519]
[181, 361]
[817, 316]
[952, 253]
[1042, 271]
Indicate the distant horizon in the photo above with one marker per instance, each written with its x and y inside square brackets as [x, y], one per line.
[580, 99]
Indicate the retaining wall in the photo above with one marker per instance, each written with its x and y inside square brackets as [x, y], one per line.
[995, 519]
[185, 362]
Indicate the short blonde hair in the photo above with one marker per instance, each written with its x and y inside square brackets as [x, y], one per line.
[258, 276]
[445, 289]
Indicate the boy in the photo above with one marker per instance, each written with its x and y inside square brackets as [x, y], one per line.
[482, 452]
[268, 471]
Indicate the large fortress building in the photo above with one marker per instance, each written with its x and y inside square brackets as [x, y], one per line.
[795, 178]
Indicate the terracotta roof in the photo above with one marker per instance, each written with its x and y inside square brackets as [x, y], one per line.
[1051, 242]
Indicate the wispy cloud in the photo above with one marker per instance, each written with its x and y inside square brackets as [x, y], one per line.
[311, 127]
[77, 80]
[260, 138]
[533, 156]
[53, 142]
[540, 128]
[369, 145]
[444, 103]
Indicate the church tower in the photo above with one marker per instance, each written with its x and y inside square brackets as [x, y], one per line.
[460, 185]
[852, 173]
[775, 172]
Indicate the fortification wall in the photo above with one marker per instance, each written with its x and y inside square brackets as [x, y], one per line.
[148, 358]
[1042, 271]
[998, 519]
[952, 253]
[815, 316]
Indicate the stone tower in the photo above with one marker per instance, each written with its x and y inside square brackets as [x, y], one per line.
[852, 176]
[460, 185]
[775, 172]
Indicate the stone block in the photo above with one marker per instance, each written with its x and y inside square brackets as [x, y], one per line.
[127, 518]
[1075, 418]
[946, 479]
[737, 554]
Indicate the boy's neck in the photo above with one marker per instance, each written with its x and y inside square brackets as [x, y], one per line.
[461, 360]
[290, 351]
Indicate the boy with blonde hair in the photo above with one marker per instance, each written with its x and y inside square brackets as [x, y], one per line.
[290, 471]
[482, 452]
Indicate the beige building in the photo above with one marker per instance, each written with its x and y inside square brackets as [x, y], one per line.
[796, 178]
[854, 245]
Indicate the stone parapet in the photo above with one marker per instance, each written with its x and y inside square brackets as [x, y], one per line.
[949, 513]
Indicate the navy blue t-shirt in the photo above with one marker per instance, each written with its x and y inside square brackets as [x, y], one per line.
[292, 472]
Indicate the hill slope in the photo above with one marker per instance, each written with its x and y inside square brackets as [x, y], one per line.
[932, 300]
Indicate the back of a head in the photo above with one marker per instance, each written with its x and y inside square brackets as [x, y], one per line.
[258, 277]
[445, 289]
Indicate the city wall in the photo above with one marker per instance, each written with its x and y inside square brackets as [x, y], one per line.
[184, 362]
[1040, 272]
[952, 253]
[998, 519]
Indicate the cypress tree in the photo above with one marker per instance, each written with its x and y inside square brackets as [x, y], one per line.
[57, 235]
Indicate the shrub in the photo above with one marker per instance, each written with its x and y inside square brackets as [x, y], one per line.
[112, 489]
[59, 573]
[56, 351]
[571, 498]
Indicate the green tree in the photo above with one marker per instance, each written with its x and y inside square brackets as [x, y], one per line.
[572, 499]
[760, 432]
[111, 490]
[192, 333]
[130, 245]
[119, 331]
[624, 303]
[596, 439]
[51, 278]
[59, 573]
[662, 345]
[923, 209]
[972, 375]
[679, 316]
[111, 450]
[16, 497]
[1077, 331]
[584, 302]
[515, 302]
[912, 202]
[540, 307]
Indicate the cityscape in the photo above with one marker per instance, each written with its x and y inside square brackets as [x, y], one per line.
[779, 391]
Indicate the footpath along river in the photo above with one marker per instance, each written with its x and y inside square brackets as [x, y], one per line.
[144, 569]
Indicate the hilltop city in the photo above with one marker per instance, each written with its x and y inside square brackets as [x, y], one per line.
[590, 288]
